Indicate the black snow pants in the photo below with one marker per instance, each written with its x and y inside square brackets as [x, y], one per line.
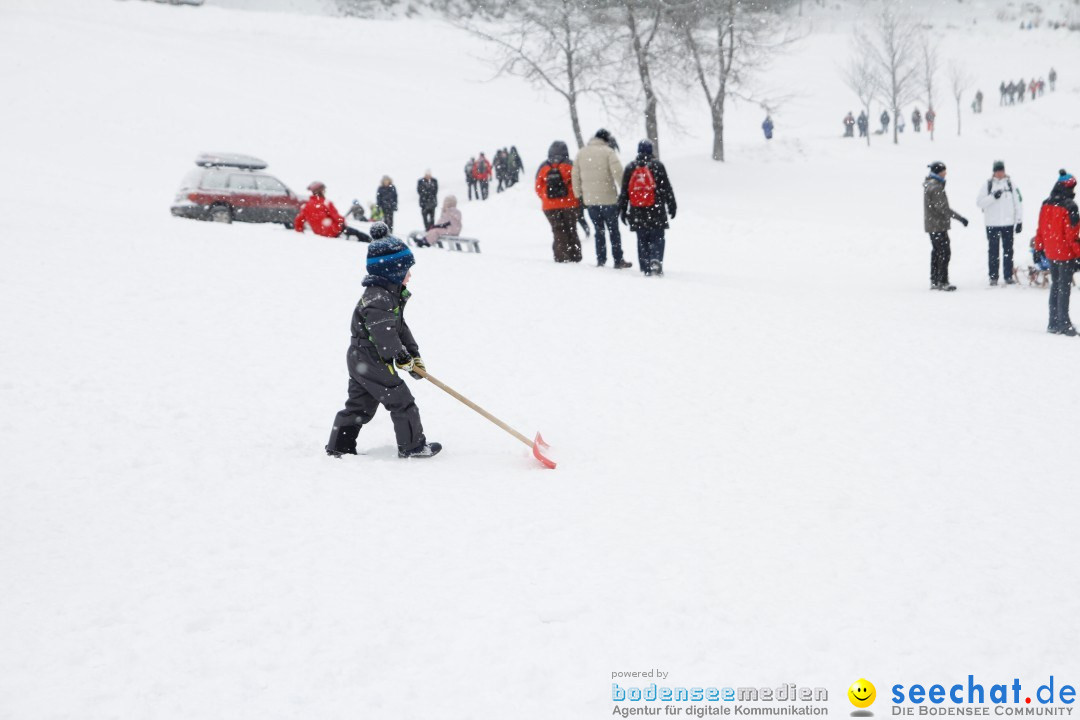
[940, 254]
[372, 383]
[1061, 276]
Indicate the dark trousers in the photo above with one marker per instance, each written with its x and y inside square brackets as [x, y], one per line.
[1061, 277]
[354, 234]
[429, 217]
[473, 190]
[372, 384]
[565, 245]
[650, 249]
[484, 189]
[606, 217]
[388, 218]
[1000, 236]
[499, 186]
[939, 257]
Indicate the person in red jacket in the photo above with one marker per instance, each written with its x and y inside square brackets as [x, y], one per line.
[323, 217]
[1059, 237]
[482, 173]
[561, 206]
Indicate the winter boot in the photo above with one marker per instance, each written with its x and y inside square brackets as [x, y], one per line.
[657, 268]
[622, 265]
[1069, 330]
[339, 453]
[424, 451]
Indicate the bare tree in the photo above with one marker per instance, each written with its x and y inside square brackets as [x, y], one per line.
[929, 63]
[643, 22]
[552, 45]
[960, 80]
[890, 46]
[859, 76]
[726, 40]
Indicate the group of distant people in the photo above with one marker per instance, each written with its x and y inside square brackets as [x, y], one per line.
[506, 169]
[863, 122]
[1055, 247]
[639, 195]
[1014, 92]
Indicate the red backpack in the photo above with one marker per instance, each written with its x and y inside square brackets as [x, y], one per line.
[642, 189]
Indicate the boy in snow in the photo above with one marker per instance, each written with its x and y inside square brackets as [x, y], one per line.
[937, 218]
[1002, 208]
[1059, 237]
[382, 348]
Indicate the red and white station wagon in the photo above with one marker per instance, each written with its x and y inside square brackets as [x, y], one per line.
[227, 187]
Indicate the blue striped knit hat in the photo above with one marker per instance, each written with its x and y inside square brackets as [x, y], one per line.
[389, 258]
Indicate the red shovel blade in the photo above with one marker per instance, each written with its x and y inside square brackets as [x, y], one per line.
[538, 446]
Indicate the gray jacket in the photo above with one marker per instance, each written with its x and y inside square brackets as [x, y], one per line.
[937, 215]
[378, 323]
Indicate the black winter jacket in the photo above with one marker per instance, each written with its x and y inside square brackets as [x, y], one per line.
[428, 190]
[378, 322]
[646, 218]
[386, 197]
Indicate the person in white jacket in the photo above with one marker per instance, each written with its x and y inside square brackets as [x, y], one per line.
[1003, 210]
[595, 178]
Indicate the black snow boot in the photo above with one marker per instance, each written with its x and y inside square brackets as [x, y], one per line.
[339, 453]
[424, 451]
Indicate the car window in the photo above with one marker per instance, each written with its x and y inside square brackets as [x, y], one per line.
[269, 185]
[242, 181]
[191, 180]
[215, 179]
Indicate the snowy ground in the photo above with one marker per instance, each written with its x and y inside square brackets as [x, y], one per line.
[786, 461]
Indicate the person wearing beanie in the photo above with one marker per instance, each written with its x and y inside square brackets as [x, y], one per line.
[1058, 236]
[645, 202]
[1003, 211]
[554, 186]
[323, 217]
[382, 348]
[427, 188]
[937, 219]
[595, 178]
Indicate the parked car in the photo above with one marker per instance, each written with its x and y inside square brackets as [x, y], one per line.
[227, 187]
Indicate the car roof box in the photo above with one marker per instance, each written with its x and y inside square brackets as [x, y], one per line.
[235, 160]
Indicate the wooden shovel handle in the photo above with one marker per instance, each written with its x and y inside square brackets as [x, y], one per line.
[454, 393]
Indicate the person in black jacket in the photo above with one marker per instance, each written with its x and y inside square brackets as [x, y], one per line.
[386, 199]
[427, 188]
[513, 165]
[645, 202]
[382, 348]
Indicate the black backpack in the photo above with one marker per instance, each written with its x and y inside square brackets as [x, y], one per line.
[556, 186]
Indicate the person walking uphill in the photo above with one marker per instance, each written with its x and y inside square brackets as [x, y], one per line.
[1059, 237]
[554, 187]
[482, 173]
[1002, 208]
[937, 219]
[645, 201]
[470, 178]
[386, 199]
[382, 348]
[427, 188]
[595, 178]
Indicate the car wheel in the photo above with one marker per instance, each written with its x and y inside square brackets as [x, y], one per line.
[221, 214]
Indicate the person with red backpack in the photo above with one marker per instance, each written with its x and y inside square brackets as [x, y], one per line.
[554, 187]
[1058, 237]
[645, 203]
[482, 173]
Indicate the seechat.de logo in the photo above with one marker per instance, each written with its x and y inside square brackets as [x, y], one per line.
[862, 694]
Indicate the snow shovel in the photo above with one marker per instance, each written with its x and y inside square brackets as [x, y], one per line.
[538, 445]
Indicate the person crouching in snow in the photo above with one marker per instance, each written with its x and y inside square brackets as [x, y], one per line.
[1057, 236]
[382, 348]
[323, 217]
[449, 222]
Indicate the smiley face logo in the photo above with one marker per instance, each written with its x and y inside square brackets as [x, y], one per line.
[862, 693]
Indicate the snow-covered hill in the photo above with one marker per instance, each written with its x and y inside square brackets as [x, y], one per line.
[786, 461]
